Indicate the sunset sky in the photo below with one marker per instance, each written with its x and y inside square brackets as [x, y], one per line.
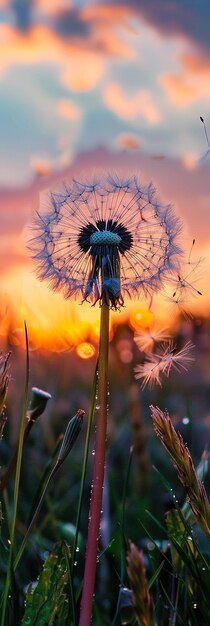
[84, 85]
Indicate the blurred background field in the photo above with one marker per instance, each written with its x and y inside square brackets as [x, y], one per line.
[67, 376]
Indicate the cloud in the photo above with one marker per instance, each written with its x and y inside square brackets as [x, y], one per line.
[58, 32]
[84, 70]
[136, 105]
[68, 109]
[174, 17]
[191, 83]
[179, 89]
[128, 141]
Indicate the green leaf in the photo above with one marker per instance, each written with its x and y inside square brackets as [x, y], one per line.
[48, 603]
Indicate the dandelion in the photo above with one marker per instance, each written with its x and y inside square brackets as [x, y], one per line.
[106, 239]
[147, 338]
[101, 241]
[162, 362]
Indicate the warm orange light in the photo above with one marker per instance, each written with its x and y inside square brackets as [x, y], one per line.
[95, 331]
[85, 350]
[140, 318]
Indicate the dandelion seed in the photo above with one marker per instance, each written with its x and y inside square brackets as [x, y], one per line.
[184, 283]
[147, 338]
[206, 155]
[105, 239]
[149, 371]
[162, 362]
[171, 358]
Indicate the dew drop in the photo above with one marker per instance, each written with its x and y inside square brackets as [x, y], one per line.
[93, 452]
[185, 420]
[97, 407]
[77, 549]
[75, 562]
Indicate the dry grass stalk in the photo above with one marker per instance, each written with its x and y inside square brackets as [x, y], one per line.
[142, 599]
[4, 382]
[183, 463]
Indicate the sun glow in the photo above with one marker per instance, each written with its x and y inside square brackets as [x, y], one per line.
[53, 323]
[85, 350]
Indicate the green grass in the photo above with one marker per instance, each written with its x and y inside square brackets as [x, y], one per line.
[156, 517]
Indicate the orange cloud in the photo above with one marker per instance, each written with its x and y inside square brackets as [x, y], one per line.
[129, 142]
[51, 8]
[40, 44]
[195, 64]
[191, 83]
[101, 13]
[104, 20]
[68, 109]
[84, 70]
[80, 54]
[137, 105]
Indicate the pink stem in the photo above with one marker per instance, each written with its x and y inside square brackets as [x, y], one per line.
[98, 474]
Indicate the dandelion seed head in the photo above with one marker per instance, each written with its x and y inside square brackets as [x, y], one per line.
[105, 238]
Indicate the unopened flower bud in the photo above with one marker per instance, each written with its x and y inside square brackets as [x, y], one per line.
[38, 403]
[72, 431]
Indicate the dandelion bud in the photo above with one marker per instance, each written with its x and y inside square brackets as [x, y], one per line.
[72, 431]
[38, 403]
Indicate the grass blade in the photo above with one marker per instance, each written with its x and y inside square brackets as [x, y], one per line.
[17, 483]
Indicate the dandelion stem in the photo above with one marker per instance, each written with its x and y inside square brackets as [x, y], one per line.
[98, 473]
